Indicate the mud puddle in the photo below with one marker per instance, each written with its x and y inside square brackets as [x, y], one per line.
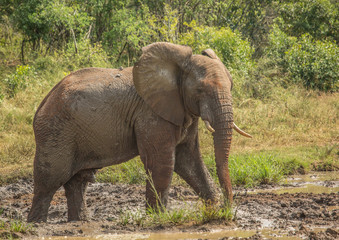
[258, 214]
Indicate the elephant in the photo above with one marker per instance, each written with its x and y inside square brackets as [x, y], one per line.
[97, 117]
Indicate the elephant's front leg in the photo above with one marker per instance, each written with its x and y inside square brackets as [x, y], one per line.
[157, 151]
[190, 166]
[159, 177]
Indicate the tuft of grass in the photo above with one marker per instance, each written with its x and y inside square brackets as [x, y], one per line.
[200, 213]
[250, 169]
[10, 230]
[20, 226]
[208, 212]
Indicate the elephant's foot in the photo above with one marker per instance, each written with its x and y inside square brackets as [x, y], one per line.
[40, 205]
[36, 216]
[156, 200]
[77, 215]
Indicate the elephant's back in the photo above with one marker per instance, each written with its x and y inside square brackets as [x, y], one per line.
[88, 83]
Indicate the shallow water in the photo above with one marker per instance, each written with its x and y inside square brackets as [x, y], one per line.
[213, 235]
[216, 234]
[314, 176]
[317, 183]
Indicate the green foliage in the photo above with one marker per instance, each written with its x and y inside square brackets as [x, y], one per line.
[252, 170]
[130, 31]
[20, 226]
[234, 52]
[314, 64]
[209, 212]
[50, 21]
[279, 42]
[19, 80]
[9, 229]
[319, 18]
[85, 55]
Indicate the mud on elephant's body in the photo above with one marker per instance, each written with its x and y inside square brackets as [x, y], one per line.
[98, 117]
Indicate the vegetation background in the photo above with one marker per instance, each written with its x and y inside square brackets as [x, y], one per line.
[283, 56]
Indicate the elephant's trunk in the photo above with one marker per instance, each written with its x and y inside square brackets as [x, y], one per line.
[223, 123]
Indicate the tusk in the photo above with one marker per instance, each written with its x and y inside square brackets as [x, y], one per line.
[241, 132]
[208, 126]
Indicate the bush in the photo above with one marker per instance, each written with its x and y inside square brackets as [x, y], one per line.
[319, 18]
[233, 51]
[19, 80]
[50, 21]
[278, 43]
[88, 55]
[314, 64]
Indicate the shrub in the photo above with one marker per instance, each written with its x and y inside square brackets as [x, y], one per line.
[19, 80]
[50, 21]
[314, 64]
[319, 18]
[306, 61]
[88, 55]
[278, 43]
[233, 51]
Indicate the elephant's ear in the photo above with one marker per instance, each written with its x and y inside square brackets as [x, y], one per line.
[210, 53]
[156, 78]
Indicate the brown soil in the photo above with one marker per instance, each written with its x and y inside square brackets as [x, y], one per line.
[303, 215]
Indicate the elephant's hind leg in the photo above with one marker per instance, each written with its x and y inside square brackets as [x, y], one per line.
[75, 190]
[46, 183]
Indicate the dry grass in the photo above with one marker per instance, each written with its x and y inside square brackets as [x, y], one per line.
[300, 118]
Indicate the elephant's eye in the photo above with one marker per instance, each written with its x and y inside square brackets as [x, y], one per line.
[200, 92]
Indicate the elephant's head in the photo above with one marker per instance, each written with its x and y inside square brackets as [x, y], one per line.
[176, 83]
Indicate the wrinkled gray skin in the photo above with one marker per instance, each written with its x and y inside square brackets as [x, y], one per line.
[97, 117]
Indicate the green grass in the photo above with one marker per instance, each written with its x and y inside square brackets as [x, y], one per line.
[250, 169]
[246, 169]
[131, 172]
[14, 229]
[198, 213]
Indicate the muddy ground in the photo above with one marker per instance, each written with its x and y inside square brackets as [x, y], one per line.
[264, 215]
